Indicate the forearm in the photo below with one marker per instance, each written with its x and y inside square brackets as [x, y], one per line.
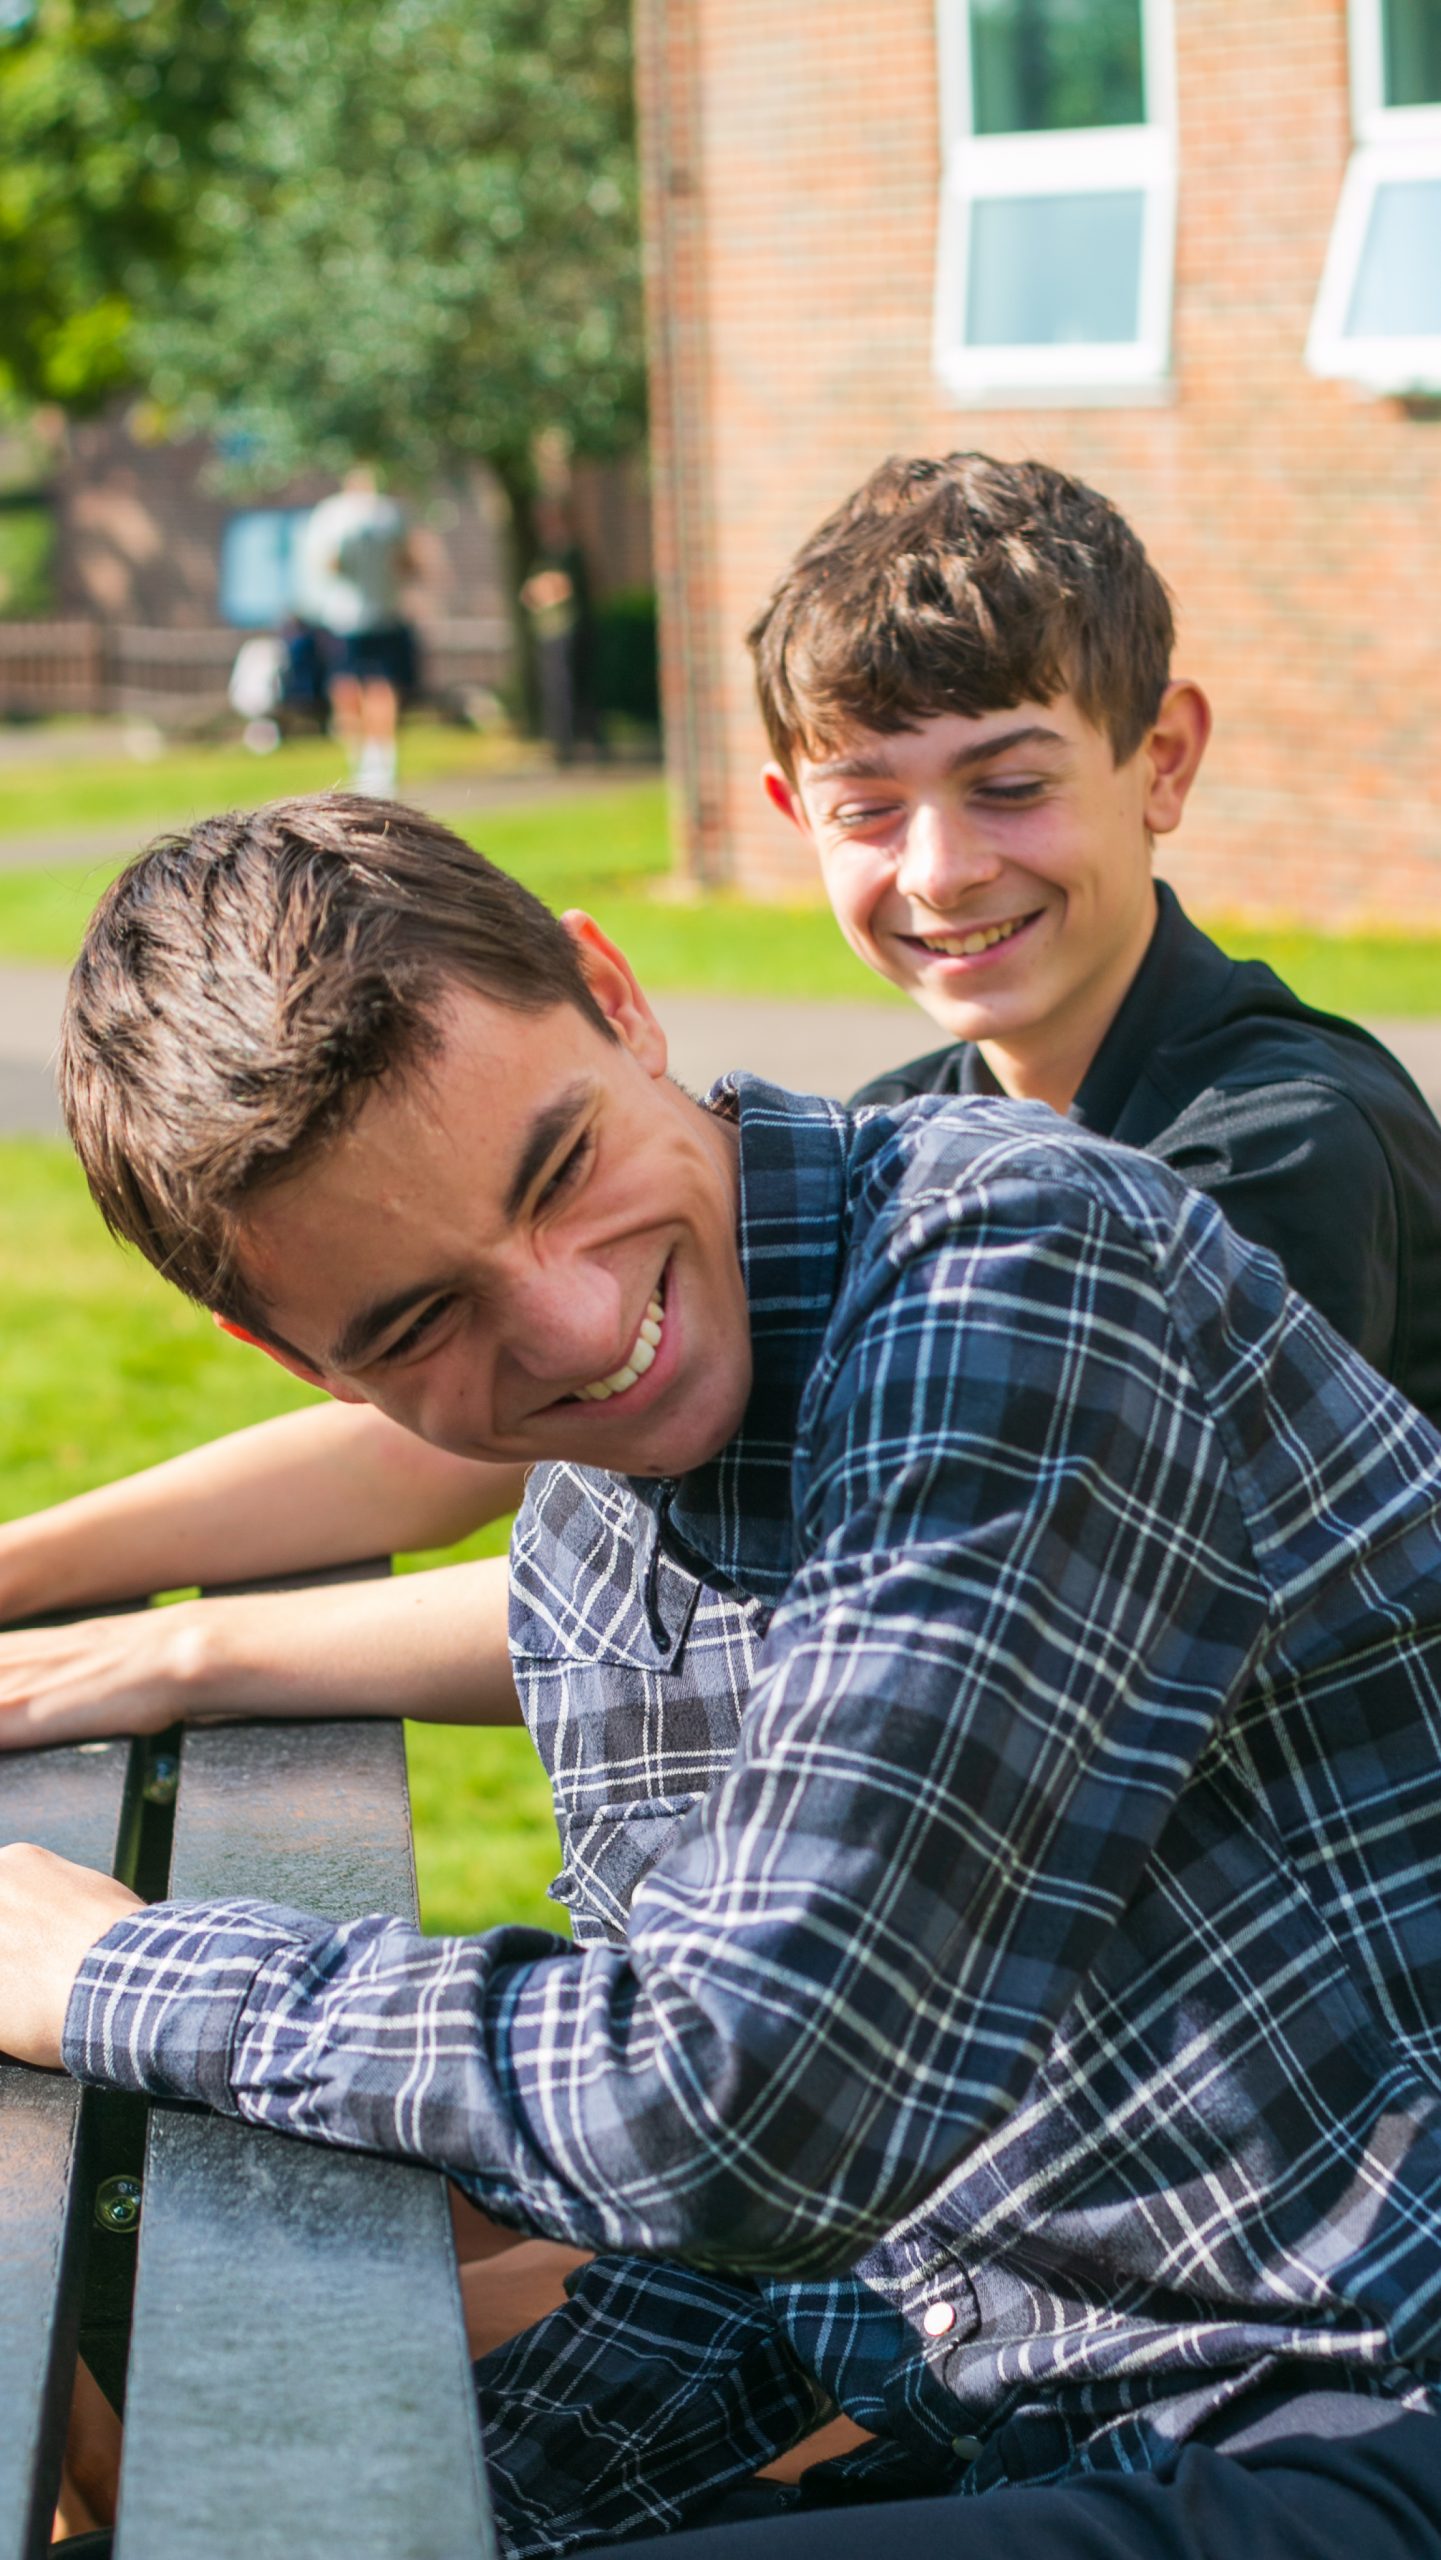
[324, 1486]
[430, 1645]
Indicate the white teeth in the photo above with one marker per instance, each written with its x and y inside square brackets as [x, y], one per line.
[954, 946]
[642, 1353]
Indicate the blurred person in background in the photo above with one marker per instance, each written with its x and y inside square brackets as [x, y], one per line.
[354, 557]
[556, 598]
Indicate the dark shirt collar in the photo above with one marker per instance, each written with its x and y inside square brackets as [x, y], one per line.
[976, 1076]
[1182, 978]
[732, 1517]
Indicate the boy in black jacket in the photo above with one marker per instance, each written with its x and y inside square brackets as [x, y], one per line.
[965, 676]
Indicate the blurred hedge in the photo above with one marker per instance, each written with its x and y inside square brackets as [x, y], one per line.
[627, 663]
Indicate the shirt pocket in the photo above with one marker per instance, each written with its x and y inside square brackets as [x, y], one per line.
[605, 1854]
[590, 1582]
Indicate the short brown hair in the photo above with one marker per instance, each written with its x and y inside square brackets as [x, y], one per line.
[962, 585]
[241, 988]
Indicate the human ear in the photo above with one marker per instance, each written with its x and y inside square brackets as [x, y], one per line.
[287, 1359]
[783, 795]
[1173, 748]
[617, 991]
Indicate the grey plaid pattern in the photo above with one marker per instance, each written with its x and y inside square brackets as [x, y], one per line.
[632, 1674]
[1035, 2014]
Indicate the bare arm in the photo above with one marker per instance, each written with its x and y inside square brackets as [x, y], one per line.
[325, 1486]
[428, 1645]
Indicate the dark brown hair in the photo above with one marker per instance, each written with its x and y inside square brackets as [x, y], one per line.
[241, 988]
[962, 585]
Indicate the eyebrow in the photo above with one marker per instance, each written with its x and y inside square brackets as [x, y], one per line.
[367, 1327]
[544, 1134]
[547, 1129]
[872, 768]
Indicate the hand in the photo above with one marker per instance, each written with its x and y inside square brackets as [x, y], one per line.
[546, 589]
[51, 1915]
[102, 1676]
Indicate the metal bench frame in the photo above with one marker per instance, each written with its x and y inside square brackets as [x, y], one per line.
[280, 2324]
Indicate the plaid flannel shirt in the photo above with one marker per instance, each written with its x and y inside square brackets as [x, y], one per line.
[1026, 2027]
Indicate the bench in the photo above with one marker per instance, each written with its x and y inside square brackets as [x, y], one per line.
[280, 2324]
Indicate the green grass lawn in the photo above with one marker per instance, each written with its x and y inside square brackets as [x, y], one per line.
[609, 853]
[81, 789]
[104, 1369]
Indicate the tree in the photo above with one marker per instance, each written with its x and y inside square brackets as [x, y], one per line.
[418, 246]
[110, 111]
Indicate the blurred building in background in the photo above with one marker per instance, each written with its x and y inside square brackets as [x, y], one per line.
[1187, 249]
[127, 572]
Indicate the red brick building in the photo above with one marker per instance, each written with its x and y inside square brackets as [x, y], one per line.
[1189, 249]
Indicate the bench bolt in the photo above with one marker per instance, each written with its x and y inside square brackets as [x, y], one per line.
[162, 1778]
[117, 2204]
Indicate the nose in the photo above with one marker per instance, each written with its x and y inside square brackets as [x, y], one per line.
[943, 857]
[565, 1319]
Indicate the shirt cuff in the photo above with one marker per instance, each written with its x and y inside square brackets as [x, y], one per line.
[157, 2002]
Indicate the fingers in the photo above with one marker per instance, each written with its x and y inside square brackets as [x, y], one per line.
[51, 1914]
[81, 1683]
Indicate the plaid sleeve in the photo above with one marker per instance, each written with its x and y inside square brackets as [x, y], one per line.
[156, 2003]
[1026, 1596]
[652, 2390]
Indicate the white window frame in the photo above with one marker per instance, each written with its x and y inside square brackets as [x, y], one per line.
[1101, 159]
[1392, 144]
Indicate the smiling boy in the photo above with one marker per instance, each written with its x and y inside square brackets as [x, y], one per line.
[965, 675]
[1030, 2043]
[966, 679]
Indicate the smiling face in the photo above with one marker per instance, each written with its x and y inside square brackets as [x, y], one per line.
[525, 1247]
[999, 869]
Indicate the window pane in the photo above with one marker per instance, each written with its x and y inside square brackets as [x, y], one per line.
[1055, 271]
[1413, 52]
[1044, 66]
[1398, 278]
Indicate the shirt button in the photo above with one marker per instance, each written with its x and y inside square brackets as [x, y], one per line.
[966, 2446]
[938, 2318]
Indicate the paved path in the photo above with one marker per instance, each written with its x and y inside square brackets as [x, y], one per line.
[817, 1048]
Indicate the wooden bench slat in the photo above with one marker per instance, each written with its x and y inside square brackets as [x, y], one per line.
[77, 1802]
[298, 2376]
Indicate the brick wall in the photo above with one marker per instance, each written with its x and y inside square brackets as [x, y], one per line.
[140, 522]
[792, 179]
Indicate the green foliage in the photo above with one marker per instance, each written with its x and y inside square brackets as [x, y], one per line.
[419, 242]
[109, 113]
[27, 546]
[397, 229]
[627, 659]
